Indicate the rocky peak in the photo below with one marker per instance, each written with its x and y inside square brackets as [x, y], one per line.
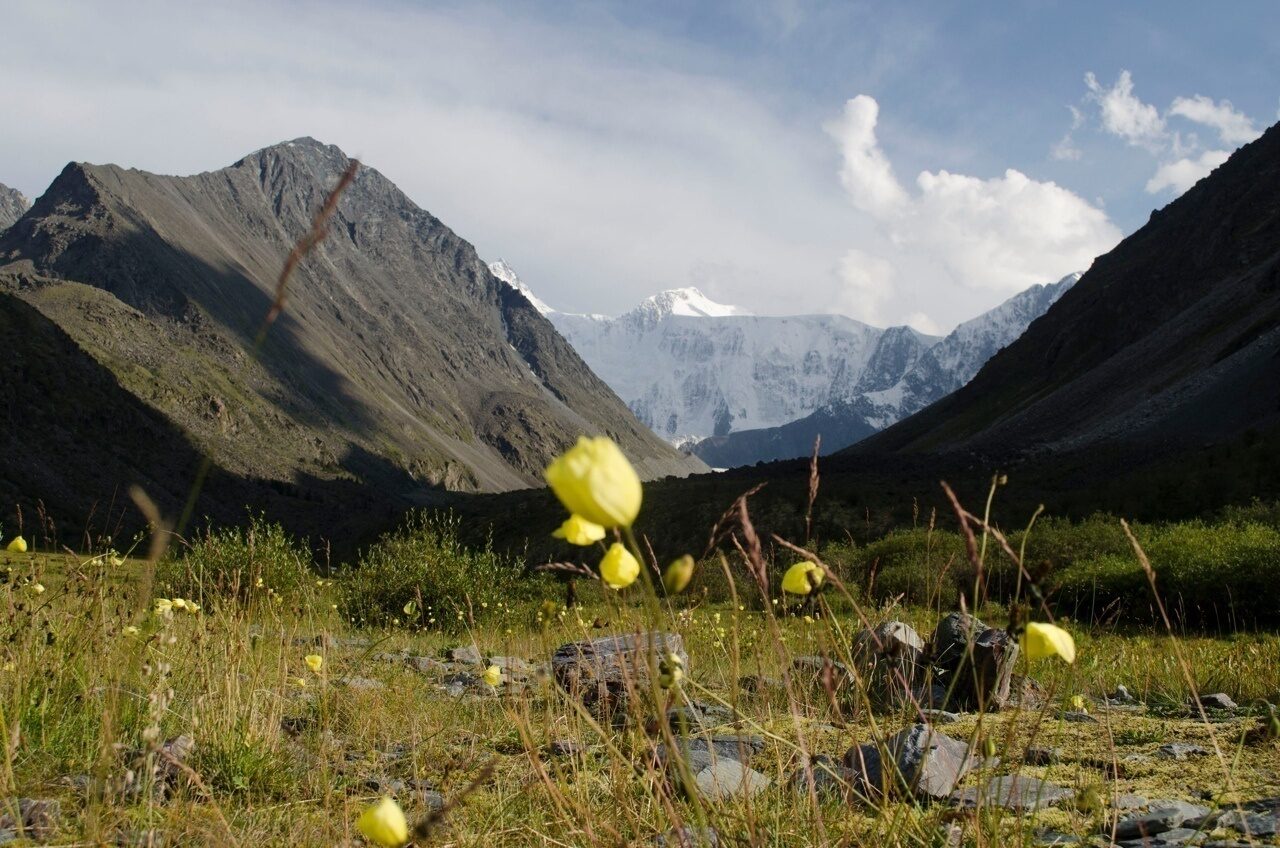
[13, 205]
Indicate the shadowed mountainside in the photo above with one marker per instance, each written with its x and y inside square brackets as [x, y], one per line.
[400, 366]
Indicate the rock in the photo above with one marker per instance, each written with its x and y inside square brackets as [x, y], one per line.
[597, 671]
[1013, 792]
[932, 696]
[468, 654]
[976, 661]
[1055, 839]
[892, 659]
[1176, 836]
[1121, 696]
[755, 683]
[1025, 693]
[1129, 801]
[829, 780]
[1257, 818]
[1042, 756]
[424, 665]
[513, 667]
[1162, 816]
[726, 778]
[1216, 701]
[939, 716]
[567, 748]
[701, 752]
[688, 837]
[1180, 751]
[822, 672]
[928, 763]
[362, 684]
[1078, 716]
[38, 818]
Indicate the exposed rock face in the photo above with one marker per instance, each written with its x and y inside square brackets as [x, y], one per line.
[13, 205]
[400, 363]
[922, 762]
[603, 672]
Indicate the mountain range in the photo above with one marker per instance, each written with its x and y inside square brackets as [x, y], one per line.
[735, 388]
[400, 366]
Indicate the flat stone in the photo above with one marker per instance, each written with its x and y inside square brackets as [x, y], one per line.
[1013, 792]
[468, 654]
[424, 665]
[939, 716]
[1121, 696]
[726, 778]
[821, 671]
[1162, 816]
[829, 781]
[926, 763]
[1216, 701]
[1180, 751]
[1176, 836]
[1129, 801]
[1051, 838]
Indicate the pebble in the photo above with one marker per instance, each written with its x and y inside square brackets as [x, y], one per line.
[1216, 701]
[1180, 751]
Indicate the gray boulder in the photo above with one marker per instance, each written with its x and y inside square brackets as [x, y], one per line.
[892, 659]
[726, 778]
[603, 672]
[921, 761]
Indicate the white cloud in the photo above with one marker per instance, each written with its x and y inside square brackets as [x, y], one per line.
[1125, 115]
[924, 324]
[867, 175]
[1234, 127]
[866, 283]
[1182, 174]
[1065, 150]
[1000, 234]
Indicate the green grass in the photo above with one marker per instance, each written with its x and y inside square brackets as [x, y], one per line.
[278, 763]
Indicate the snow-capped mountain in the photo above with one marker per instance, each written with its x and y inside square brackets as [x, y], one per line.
[945, 367]
[736, 388]
[691, 368]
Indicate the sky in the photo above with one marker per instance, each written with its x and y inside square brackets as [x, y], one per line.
[897, 162]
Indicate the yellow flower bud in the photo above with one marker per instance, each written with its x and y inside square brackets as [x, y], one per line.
[596, 482]
[619, 569]
[18, 545]
[492, 675]
[577, 530]
[384, 824]
[678, 575]
[670, 671]
[315, 662]
[802, 578]
[1047, 640]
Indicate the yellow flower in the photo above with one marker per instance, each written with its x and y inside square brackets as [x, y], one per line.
[178, 604]
[802, 578]
[314, 662]
[193, 607]
[492, 675]
[17, 546]
[1047, 640]
[384, 824]
[300, 682]
[1078, 704]
[670, 671]
[164, 606]
[619, 569]
[577, 530]
[38, 588]
[596, 482]
[131, 630]
[678, 574]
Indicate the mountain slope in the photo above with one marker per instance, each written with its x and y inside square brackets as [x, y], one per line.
[690, 367]
[12, 206]
[940, 370]
[1169, 343]
[400, 363]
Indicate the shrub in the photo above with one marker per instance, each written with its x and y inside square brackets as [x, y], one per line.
[233, 564]
[421, 575]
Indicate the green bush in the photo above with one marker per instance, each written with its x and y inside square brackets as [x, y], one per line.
[236, 564]
[422, 576]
